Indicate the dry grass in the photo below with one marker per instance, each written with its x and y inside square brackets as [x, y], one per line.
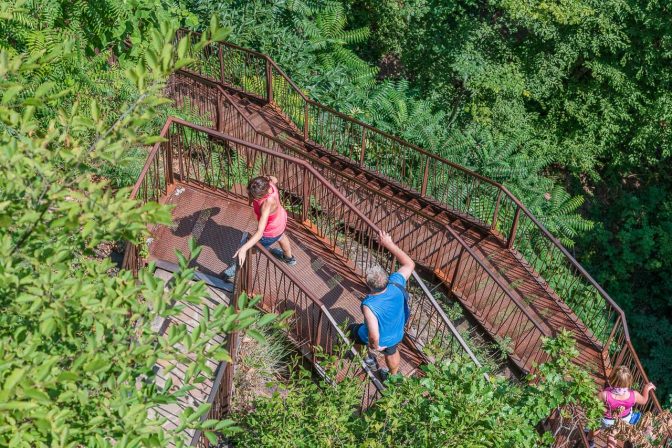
[260, 366]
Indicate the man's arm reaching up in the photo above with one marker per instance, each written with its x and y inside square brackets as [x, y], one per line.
[407, 264]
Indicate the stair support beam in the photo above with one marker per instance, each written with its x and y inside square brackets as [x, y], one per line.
[269, 81]
[514, 229]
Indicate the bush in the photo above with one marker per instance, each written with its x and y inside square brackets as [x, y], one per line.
[453, 404]
[76, 343]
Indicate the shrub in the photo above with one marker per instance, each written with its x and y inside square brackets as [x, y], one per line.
[76, 343]
[453, 404]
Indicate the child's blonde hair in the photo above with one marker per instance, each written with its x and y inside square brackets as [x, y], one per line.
[620, 377]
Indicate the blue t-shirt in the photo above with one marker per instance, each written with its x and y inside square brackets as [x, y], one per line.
[390, 309]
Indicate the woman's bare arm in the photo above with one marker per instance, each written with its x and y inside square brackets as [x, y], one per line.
[241, 253]
[643, 398]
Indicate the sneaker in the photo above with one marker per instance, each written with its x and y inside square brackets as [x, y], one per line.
[230, 274]
[384, 374]
[280, 255]
[371, 362]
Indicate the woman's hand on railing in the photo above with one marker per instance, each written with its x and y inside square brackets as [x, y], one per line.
[241, 254]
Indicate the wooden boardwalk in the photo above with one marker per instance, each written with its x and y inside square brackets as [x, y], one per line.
[190, 317]
[390, 206]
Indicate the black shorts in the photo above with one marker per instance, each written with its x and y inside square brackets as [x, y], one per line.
[353, 329]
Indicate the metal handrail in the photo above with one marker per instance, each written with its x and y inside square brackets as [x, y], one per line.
[447, 321]
[465, 247]
[246, 273]
[503, 191]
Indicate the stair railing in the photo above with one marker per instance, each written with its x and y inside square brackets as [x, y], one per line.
[311, 327]
[462, 270]
[428, 323]
[466, 193]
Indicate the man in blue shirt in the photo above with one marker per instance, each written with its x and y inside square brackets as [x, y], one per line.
[385, 309]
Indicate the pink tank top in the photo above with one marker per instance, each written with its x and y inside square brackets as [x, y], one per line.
[613, 403]
[277, 222]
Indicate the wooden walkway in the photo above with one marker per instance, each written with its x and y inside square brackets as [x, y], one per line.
[190, 316]
[390, 205]
[218, 223]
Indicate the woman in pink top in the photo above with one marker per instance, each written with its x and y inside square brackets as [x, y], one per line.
[263, 194]
[620, 399]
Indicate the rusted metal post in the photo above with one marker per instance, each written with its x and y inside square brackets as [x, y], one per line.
[231, 347]
[168, 168]
[457, 268]
[219, 113]
[514, 228]
[363, 150]
[495, 215]
[317, 336]
[269, 81]
[306, 124]
[247, 285]
[306, 196]
[221, 65]
[425, 178]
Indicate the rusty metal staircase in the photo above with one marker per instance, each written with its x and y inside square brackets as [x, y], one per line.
[201, 173]
[495, 256]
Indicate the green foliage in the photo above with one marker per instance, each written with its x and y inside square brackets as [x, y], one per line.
[453, 404]
[304, 414]
[324, 28]
[561, 382]
[392, 108]
[76, 341]
[310, 40]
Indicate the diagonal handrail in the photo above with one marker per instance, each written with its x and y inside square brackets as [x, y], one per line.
[506, 215]
[293, 291]
[456, 334]
[450, 235]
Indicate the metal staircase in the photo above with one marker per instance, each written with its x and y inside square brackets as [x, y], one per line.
[514, 277]
[201, 173]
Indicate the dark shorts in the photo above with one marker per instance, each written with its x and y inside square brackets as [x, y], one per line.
[268, 241]
[353, 329]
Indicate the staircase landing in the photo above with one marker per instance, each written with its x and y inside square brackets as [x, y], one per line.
[218, 222]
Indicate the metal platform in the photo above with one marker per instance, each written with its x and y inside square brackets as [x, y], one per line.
[217, 223]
